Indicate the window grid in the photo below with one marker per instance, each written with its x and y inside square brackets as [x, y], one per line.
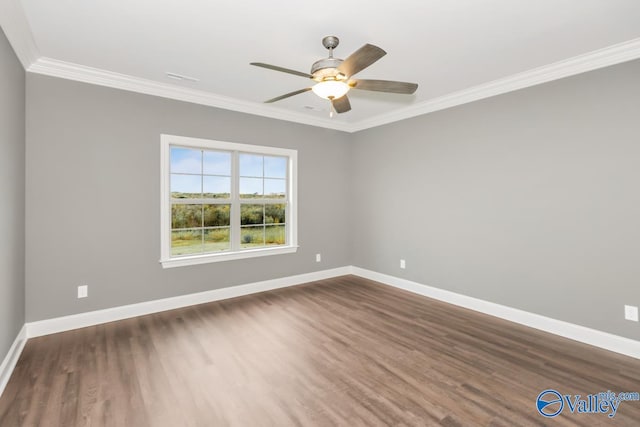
[243, 242]
[236, 201]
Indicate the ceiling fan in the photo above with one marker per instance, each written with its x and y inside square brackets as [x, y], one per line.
[333, 76]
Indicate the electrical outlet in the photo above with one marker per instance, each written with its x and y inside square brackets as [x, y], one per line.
[318, 257]
[83, 291]
[403, 264]
[631, 312]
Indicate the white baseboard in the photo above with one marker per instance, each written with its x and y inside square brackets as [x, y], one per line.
[10, 360]
[81, 320]
[579, 333]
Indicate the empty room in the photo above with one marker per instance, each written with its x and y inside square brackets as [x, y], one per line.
[410, 213]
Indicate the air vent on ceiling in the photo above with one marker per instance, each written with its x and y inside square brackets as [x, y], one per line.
[177, 76]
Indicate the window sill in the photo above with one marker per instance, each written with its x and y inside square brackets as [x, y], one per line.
[226, 256]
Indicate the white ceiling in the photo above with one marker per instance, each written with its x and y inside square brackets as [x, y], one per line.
[445, 46]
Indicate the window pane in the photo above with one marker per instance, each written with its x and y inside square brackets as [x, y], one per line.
[216, 215]
[275, 167]
[275, 188]
[217, 163]
[251, 214]
[216, 239]
[186, 242]
[250, 165]
[216, 187]
[186, 160]
[250, 187]
[186, 216]
[274, 214]
[252, 236]
[275, 235]
[186, 186]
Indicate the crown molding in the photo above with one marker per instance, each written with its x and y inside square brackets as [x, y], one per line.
[615, 54]
[15, 26]
[81, 73]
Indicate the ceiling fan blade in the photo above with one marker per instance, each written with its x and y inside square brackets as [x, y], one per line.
[341, 105]
[287, 95]
[284, 70]
[384, 86]
[361, 59]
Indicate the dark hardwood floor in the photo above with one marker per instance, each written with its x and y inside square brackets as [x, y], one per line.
[340, 352]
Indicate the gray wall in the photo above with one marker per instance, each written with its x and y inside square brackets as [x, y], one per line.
[529, 199]
[93, 196]
[12, 170]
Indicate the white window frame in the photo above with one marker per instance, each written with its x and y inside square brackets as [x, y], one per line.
[291, 223]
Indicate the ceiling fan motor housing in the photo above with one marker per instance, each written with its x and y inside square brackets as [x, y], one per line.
[327, 69]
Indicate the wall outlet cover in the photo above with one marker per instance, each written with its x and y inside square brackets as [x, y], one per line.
[83, 291]
[631, 312]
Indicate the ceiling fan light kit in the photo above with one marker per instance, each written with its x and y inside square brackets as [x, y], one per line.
[330, 89]
[334, 76]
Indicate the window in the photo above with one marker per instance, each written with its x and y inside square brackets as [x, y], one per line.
[224, 201]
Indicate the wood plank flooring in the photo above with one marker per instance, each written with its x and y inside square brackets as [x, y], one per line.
[340, 352]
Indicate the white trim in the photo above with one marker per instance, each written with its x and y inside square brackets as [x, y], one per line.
[292, 222]
[81, 320]
[605, 57]
[189, 141]
[9, 363]
[235, 251]
[81, 73]
[578, 333]
[226, 256]
[15, 26]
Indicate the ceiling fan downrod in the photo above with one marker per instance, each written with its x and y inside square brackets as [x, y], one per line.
[330, 42]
